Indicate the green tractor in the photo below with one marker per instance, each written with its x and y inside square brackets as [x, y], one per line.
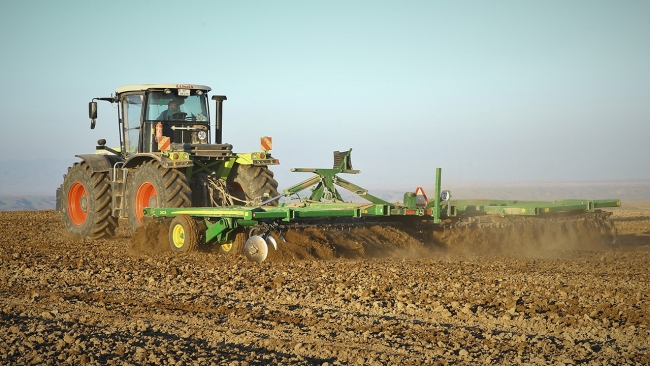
[165, 159]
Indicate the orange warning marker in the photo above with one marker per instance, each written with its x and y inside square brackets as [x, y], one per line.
[266, 143]
[421, 199]
[164, 143]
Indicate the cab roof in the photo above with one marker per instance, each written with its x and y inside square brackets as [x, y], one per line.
[141, 87]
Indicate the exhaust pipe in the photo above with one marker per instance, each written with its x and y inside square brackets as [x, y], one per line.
[218, 135]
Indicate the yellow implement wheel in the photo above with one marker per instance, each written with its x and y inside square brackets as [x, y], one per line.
[234, 247]
[183, 234]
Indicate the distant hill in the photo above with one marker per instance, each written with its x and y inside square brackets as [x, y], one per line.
[624, 190]
[27, 203]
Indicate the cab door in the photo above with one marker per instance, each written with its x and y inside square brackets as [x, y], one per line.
[131, 118]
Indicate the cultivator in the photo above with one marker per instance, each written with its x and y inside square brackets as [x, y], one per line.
[440, 221]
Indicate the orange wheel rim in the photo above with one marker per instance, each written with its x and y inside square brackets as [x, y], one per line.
[77, 203]
[146, 196]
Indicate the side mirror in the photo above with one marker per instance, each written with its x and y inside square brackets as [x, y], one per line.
[92, 110]
[92, 114]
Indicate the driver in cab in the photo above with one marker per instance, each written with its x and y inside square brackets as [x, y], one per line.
[172, 108]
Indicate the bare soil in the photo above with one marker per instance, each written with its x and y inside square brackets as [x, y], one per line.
[376, 297]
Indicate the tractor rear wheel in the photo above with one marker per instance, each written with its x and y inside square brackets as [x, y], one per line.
[151, 185]
[252, 184]
[86, 203]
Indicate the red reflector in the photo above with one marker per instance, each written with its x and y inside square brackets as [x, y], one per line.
[429, 212]
[410, 212]
[262, 156]
[175, 156]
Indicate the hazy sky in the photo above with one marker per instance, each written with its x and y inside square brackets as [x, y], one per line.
[491, 91]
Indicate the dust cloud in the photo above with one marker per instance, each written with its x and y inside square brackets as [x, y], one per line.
[153, 237]
[532, 238]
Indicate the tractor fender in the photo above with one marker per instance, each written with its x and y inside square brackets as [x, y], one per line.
[138, 159]
[164, 161]
[100, 162]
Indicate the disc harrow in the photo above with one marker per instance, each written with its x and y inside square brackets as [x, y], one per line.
[438, 223]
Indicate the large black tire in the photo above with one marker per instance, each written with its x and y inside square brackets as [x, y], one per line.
[86, 203]
[151, 185]
[253, 184]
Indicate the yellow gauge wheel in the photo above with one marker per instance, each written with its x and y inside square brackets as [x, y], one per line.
[178, 236]
[234, 246]
[226, 247]
[183, 234]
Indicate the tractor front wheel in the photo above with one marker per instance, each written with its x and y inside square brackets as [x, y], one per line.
[252, 184]
[86, 203]
[151, 185]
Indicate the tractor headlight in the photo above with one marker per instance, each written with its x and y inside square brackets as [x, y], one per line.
[202, 135]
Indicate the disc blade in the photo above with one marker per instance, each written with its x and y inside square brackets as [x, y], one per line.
[256, 249]
[271, 241]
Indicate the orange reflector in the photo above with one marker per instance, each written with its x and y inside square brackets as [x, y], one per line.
[266, 143]
[164, 143]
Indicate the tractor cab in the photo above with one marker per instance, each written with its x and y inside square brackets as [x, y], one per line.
[150, 111]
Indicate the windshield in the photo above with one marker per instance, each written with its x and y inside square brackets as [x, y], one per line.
[172, 107]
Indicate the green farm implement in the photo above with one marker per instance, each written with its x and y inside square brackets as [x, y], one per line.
[229, 226]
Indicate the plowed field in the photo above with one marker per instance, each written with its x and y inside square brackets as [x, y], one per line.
[372, 301]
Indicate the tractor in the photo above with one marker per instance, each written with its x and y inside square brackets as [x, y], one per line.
[168, 157]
